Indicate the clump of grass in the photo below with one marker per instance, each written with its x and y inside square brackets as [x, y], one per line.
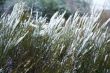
[75, 45]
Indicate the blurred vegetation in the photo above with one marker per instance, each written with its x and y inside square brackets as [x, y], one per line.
[49, 7]
[33, 45]
[1, 6]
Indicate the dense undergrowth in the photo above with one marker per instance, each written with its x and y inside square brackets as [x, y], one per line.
[30, 44]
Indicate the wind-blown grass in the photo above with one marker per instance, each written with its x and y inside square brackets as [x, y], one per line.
[75, 45]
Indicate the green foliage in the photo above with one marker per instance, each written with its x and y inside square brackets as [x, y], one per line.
[59, 46]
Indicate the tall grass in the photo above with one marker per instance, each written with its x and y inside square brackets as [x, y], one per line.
[33, 45]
